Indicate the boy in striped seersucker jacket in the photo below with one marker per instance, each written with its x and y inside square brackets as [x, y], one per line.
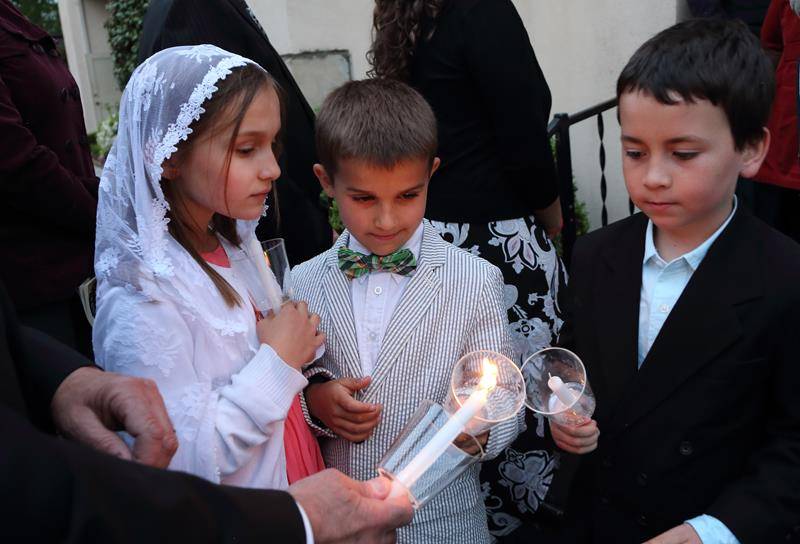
[398, 304]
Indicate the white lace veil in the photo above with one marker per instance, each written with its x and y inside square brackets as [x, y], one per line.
[134, 250]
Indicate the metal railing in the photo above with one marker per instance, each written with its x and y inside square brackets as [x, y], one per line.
[559, 129]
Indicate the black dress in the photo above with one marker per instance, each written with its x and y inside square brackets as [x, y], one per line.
[480, 75]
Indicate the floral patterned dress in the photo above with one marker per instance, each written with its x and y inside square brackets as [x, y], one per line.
[516, 482]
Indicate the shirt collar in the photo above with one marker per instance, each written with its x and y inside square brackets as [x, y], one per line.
[695, 256]
[414, 244]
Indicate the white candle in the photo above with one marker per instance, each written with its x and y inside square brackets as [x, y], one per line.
[437, 445]
[560, 389]
[267, 278]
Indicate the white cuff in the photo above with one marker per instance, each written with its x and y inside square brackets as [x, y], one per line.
[306, 524]
[264, 384]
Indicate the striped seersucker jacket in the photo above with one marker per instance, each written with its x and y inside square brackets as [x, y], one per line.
[452, 305]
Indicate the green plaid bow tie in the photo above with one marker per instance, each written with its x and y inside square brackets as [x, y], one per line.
[355, 264]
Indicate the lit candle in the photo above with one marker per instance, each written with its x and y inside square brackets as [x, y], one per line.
[560, 389]
[437, 445]
[267, 278]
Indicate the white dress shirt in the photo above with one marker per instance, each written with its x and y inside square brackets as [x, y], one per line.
[374, 297]
[662, 285]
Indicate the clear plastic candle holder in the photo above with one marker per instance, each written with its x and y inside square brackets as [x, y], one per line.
[557, 386]
[504, 399]
[426, 422]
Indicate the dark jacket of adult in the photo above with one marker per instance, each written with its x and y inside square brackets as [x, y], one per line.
[480, 75]
[228, 24]
[710, 424]
[48, 189]
[56, 491]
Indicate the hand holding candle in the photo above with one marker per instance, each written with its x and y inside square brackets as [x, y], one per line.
[557, 386]
[433, 449]
[437, 444]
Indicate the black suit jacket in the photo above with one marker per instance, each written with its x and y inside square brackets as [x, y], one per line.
[56, 491]
[301, 219]
[710, 424]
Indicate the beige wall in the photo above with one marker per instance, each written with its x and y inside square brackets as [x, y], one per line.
[581, 46]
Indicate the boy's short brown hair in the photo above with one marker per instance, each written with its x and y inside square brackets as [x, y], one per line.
[380, 121]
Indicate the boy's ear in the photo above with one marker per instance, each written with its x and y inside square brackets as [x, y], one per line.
[435, 166]
[754, 154]
[324, 179]
[170, 169]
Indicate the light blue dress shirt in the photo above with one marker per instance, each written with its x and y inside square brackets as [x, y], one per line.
[662, 285]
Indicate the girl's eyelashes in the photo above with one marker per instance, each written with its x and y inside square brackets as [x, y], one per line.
[634, 154]
[362, 198]
[409, 196]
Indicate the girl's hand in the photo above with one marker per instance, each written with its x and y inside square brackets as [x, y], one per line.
[578, 439]
[292, 334]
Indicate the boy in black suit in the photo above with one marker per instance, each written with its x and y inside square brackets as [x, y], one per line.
[685, 314]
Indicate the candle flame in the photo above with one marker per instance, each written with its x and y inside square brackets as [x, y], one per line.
[489, 378]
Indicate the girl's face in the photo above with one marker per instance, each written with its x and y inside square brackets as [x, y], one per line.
[204, 184]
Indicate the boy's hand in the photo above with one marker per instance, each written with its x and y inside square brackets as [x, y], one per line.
[682, 534]
[333, 403]
[578, 439]
[466, 442]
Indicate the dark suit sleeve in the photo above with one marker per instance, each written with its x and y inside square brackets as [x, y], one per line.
[515, 93]
[764, 504]
[39, 362]
[56, 491]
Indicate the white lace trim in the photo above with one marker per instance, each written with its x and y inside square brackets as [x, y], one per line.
[192, 109]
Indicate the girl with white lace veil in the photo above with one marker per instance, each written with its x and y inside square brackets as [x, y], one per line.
[180, 196]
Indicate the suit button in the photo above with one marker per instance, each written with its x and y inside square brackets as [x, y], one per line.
[64, 95]
[642, 520]
[53, 52]
[641, 479]
[74, 92]
[686, 448]
[37, 48]
[607, 462]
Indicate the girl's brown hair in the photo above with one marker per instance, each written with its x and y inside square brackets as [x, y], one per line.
[396, 32]
[226, 108]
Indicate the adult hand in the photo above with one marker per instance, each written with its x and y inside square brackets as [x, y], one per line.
[333, 403]
[90, 405]
[682, 534]
[576, 438]
[550, 218]
[344, 510]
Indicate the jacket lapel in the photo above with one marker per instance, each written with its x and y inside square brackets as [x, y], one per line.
[616, 317]
[702, 324]
[417, 299]
[336, 287]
